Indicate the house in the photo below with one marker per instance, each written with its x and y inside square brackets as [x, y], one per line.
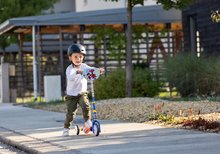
[49, 36]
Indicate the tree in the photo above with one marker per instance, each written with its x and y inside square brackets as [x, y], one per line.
[20, 8]
[167, 4]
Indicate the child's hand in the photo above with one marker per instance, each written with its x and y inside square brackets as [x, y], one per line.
[79, 71]
[102, 70]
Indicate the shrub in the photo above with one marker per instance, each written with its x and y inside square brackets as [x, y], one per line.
[113, 86]
[193, 76]
[143, 84]
[209, 80]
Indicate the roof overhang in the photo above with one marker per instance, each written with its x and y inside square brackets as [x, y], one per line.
[142, 14]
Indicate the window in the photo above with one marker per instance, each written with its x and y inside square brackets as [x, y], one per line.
[192, 32]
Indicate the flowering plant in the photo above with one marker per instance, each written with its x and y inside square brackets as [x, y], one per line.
[215, 16]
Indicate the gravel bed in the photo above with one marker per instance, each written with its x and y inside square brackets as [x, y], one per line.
[139, 108]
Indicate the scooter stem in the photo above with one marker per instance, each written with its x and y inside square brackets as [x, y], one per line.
[93, 101]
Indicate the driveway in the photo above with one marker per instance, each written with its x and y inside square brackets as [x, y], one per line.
[38, 131]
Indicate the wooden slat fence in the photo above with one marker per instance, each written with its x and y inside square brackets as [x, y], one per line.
[151, 50]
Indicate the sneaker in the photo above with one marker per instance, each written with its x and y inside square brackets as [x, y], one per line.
[66, 132]
[87, 126]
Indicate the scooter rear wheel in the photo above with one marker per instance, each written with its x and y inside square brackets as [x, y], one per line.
[77, 129]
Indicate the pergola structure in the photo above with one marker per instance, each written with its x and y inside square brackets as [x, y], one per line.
[77, 27]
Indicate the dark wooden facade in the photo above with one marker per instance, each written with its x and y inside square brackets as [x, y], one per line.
[201, 35]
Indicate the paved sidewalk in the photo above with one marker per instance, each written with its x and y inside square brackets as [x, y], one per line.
[37, 131]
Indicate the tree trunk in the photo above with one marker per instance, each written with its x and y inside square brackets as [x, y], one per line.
[129, 68]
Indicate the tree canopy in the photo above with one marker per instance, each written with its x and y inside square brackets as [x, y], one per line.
[19, 8]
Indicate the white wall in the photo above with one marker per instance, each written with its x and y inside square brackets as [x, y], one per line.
[65, 6]
[87, 5]
[62, 6]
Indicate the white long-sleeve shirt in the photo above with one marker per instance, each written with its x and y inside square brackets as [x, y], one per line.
[76, 83]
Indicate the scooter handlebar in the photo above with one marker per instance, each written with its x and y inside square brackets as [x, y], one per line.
[91, 73]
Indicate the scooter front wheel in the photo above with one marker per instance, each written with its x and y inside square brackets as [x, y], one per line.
[96, 128]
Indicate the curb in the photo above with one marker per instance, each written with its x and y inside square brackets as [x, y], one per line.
[18, 146]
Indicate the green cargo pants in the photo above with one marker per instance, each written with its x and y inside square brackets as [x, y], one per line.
[72, 102]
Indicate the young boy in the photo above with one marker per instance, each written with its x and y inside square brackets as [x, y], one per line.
[77, 88]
